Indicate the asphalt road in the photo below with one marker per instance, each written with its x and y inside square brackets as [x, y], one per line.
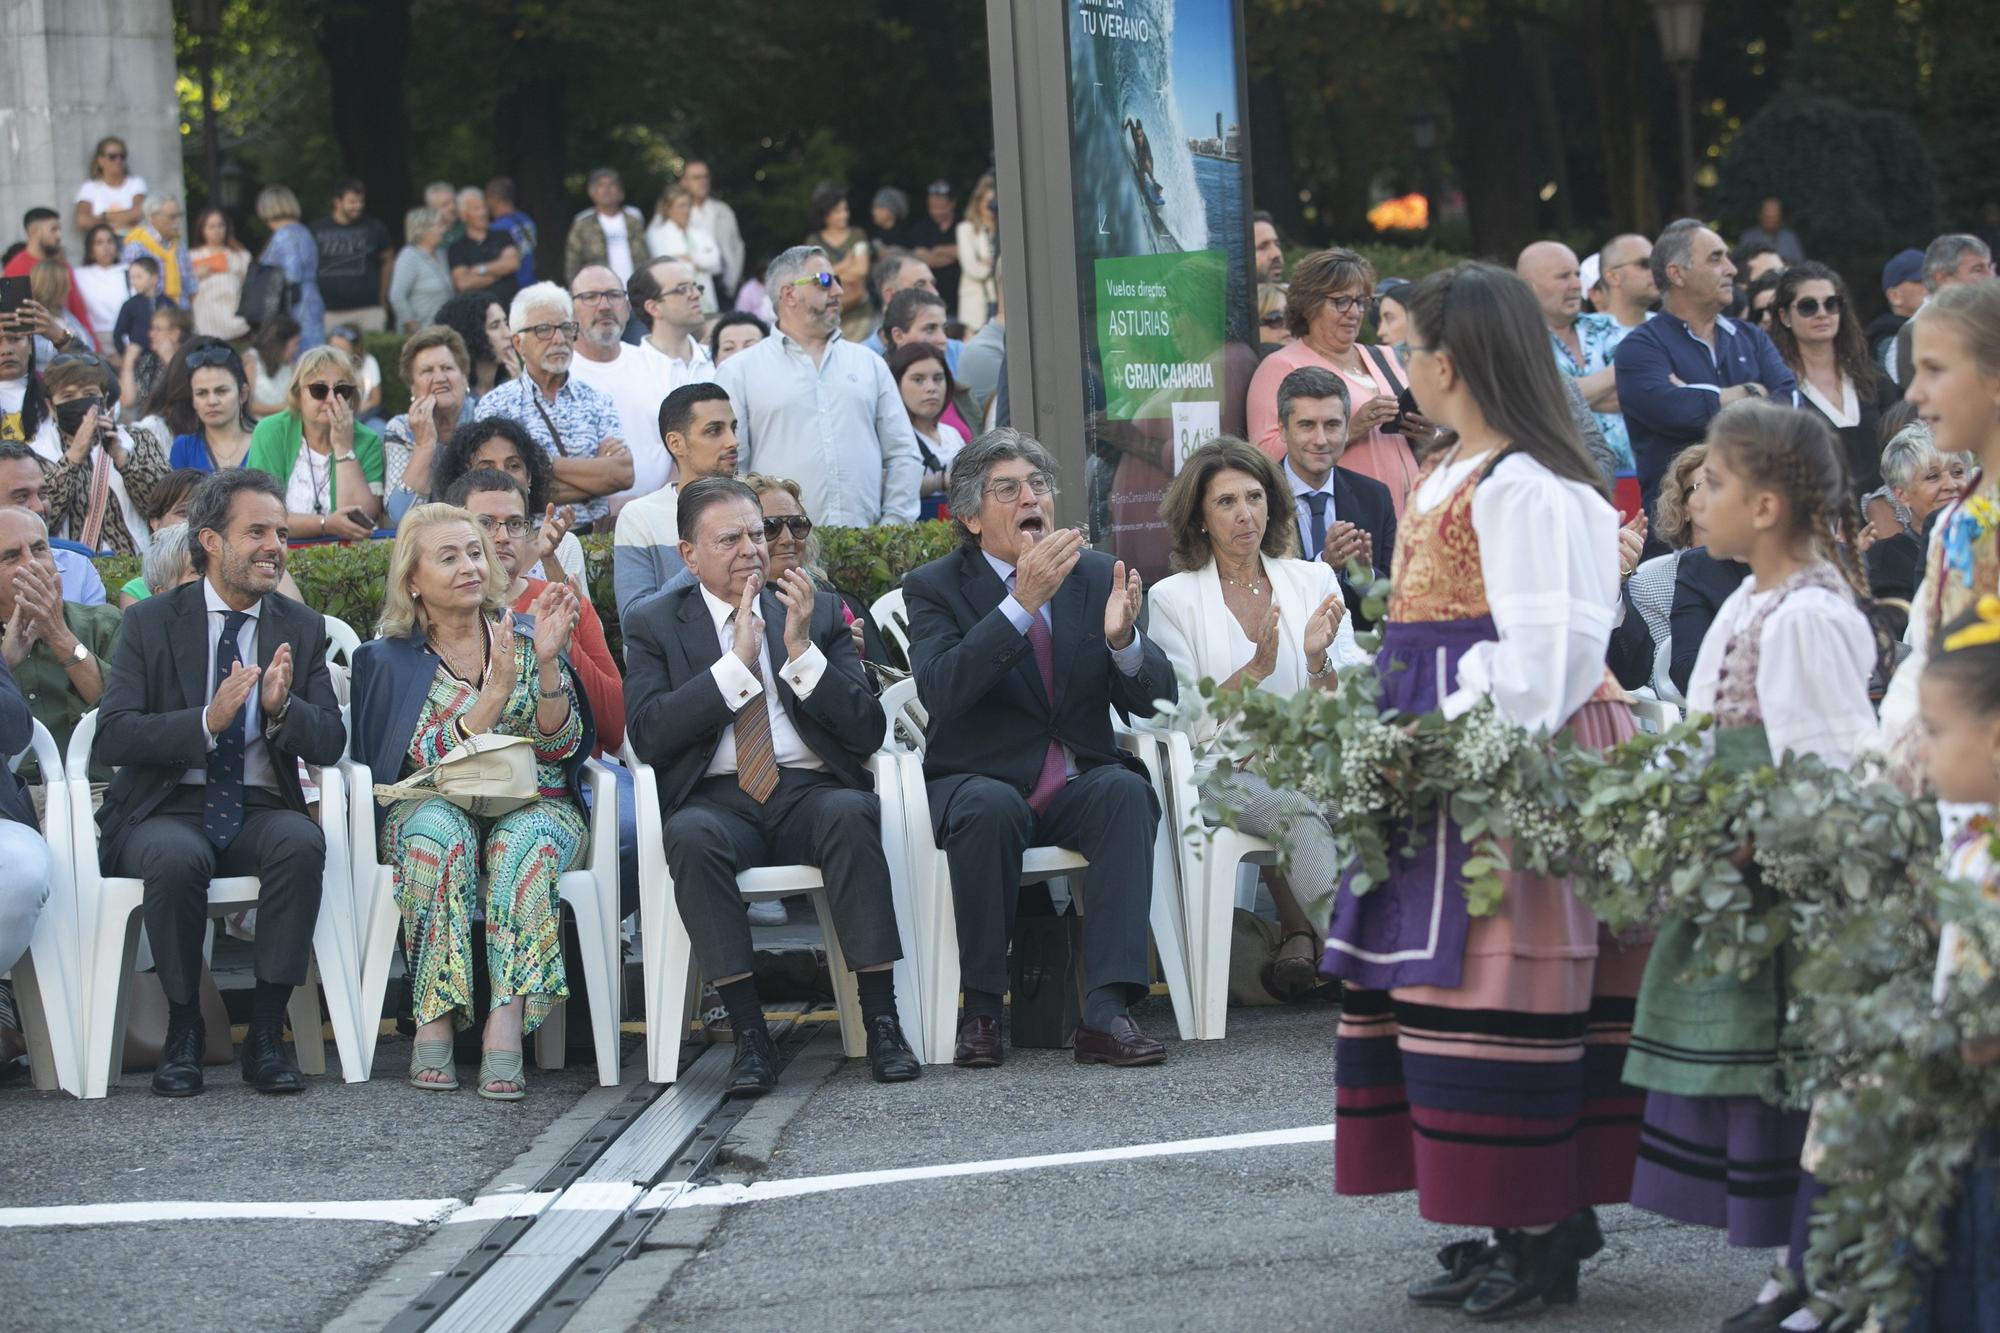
[1249, 1239]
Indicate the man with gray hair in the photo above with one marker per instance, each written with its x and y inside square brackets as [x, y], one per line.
[1949, 261]
[55, 649]
[822, 411]
[574, 424]
[1022, 642]
[484, 258]
[1678, 369]
[900, 271]
[622, 373]
[159, 238]
[608, 232]
[443, 196]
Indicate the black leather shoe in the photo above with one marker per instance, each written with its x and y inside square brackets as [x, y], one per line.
[179, 1071]
[890, 1058]
[1527, 1268]
[266, 1065]
[754, 1072]
[1122, 1044]
[1765, 1317]
[978, 1043]
[1465, 1262]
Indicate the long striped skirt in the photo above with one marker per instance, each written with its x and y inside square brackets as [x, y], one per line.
[1500, 1100]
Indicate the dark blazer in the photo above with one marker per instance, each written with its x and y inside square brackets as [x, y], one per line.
[1630, 652]
[1701, 585]
[1364, 502]
[149, 719]
[675, 714]
[989, 715]
[17, 733]
[392, 678]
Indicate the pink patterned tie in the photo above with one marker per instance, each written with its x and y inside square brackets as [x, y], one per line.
[1051, 780]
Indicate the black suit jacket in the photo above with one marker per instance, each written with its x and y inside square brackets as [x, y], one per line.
[976, 675]
[149, 719]
[1701, 585]
[675, 713]
[1364, 502]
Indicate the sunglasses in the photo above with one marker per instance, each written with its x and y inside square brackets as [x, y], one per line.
[1811, 305]
[75, 359]
[820, 280]
[801, 527]
[114, 157]
[319, 389]
[1274, 320]
[206, 357]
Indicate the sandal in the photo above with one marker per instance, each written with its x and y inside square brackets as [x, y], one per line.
[433, 1056]
[502, 1067]
[1293, 979]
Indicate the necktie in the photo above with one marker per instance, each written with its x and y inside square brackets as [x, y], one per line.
[1051, 778]
[222, 796]
[756, 759]
[1316, 501]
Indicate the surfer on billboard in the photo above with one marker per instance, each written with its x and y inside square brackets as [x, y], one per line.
[1142, 155]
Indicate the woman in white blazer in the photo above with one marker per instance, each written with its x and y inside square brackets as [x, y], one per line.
[1244, 610]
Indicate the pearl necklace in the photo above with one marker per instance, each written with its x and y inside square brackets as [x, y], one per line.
[1255, 586]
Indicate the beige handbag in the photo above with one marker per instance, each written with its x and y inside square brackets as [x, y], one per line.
[485, 775]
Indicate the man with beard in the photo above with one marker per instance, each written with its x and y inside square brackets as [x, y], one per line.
[622, 373]
[820, 410]
[217, 691]
[43, 229]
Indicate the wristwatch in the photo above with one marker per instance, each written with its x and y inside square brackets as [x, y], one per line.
[79, 654]
[1325, 665]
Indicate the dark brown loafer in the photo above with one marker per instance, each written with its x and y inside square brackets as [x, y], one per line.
[1122, 1045]
[978, 1043]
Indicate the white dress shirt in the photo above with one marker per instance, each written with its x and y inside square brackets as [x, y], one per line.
[838, 428]
[256, 753]
[739, 685]
[1305, 514]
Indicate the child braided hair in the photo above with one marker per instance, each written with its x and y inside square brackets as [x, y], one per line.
[1794, 453]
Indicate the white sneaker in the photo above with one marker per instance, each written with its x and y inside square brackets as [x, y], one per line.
[769, 913]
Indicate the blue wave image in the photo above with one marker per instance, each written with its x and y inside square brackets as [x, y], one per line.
[1115, 80]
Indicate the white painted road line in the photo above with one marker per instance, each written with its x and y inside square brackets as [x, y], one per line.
[401, 1212]
[725, 1196]
[501, 1207]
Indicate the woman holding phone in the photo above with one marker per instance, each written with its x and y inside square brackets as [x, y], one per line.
[329, 464]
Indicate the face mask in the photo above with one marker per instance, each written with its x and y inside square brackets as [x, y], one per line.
[70, 415]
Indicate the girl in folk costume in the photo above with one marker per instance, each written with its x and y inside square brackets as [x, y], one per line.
[1478, 1061]
[1784, 669]
[1959, 703]
[1955, 342]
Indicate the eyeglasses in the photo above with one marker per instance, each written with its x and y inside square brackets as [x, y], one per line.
[821, 280]
[1644, 261]
[726, 541]
[569, 328]
[513, 527]
[1008, 489]
[679, 289]
[319, 389]
[1342, 304]
[114, 157]
[800, 526]
[204, 357]
[75, 359]
[607, 297]
[1812, 305]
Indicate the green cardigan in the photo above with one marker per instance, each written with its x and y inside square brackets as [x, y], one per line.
[275, 444]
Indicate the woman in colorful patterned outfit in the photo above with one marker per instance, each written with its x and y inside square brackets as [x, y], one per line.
[1784, 669]
[1479, 1061]
[450, 665]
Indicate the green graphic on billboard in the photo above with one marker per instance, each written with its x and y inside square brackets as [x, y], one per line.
[1157, 350]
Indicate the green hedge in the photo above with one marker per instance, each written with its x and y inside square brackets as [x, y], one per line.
[345, 580]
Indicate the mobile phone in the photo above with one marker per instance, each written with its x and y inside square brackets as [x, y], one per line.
[14, 293]
[361, 516]
[1406, 404]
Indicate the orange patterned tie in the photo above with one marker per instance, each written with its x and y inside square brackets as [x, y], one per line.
[756, 760]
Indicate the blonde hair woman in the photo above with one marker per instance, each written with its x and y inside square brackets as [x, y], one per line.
[451, 664]
[329, 464]
[293, 251]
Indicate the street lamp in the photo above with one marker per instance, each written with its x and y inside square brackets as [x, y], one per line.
[1679, 24]
[205, 22]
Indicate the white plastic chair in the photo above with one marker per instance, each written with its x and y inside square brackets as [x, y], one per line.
[893, 619]
[937, 926]
[108, 915]
[590, 892]
[48, 980]
[341, 641]
[670, 968]
[1209, 857]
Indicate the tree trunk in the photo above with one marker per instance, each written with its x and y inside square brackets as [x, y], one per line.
[365, 44]
[528, 135]
[1611, 32]
[1490, 146]
[1273, 185]
[1550, 123]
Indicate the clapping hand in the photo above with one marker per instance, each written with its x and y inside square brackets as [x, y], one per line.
[77, 447]
[795, 593]
[1631, 544]
[1345, 544]
[748, 625]
[229, 697]
[1121, 609]
[277, 681]
[1321, 626]
[1044, 567]
[1265, 660]
[555, 610]
[555, 526]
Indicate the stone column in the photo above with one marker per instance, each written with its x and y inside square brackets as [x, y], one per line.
[71, 72]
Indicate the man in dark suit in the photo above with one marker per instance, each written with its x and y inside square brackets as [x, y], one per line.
[25, 863]
[751, 704]
[1023, 642]
[1341, 515]
[217, 691]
